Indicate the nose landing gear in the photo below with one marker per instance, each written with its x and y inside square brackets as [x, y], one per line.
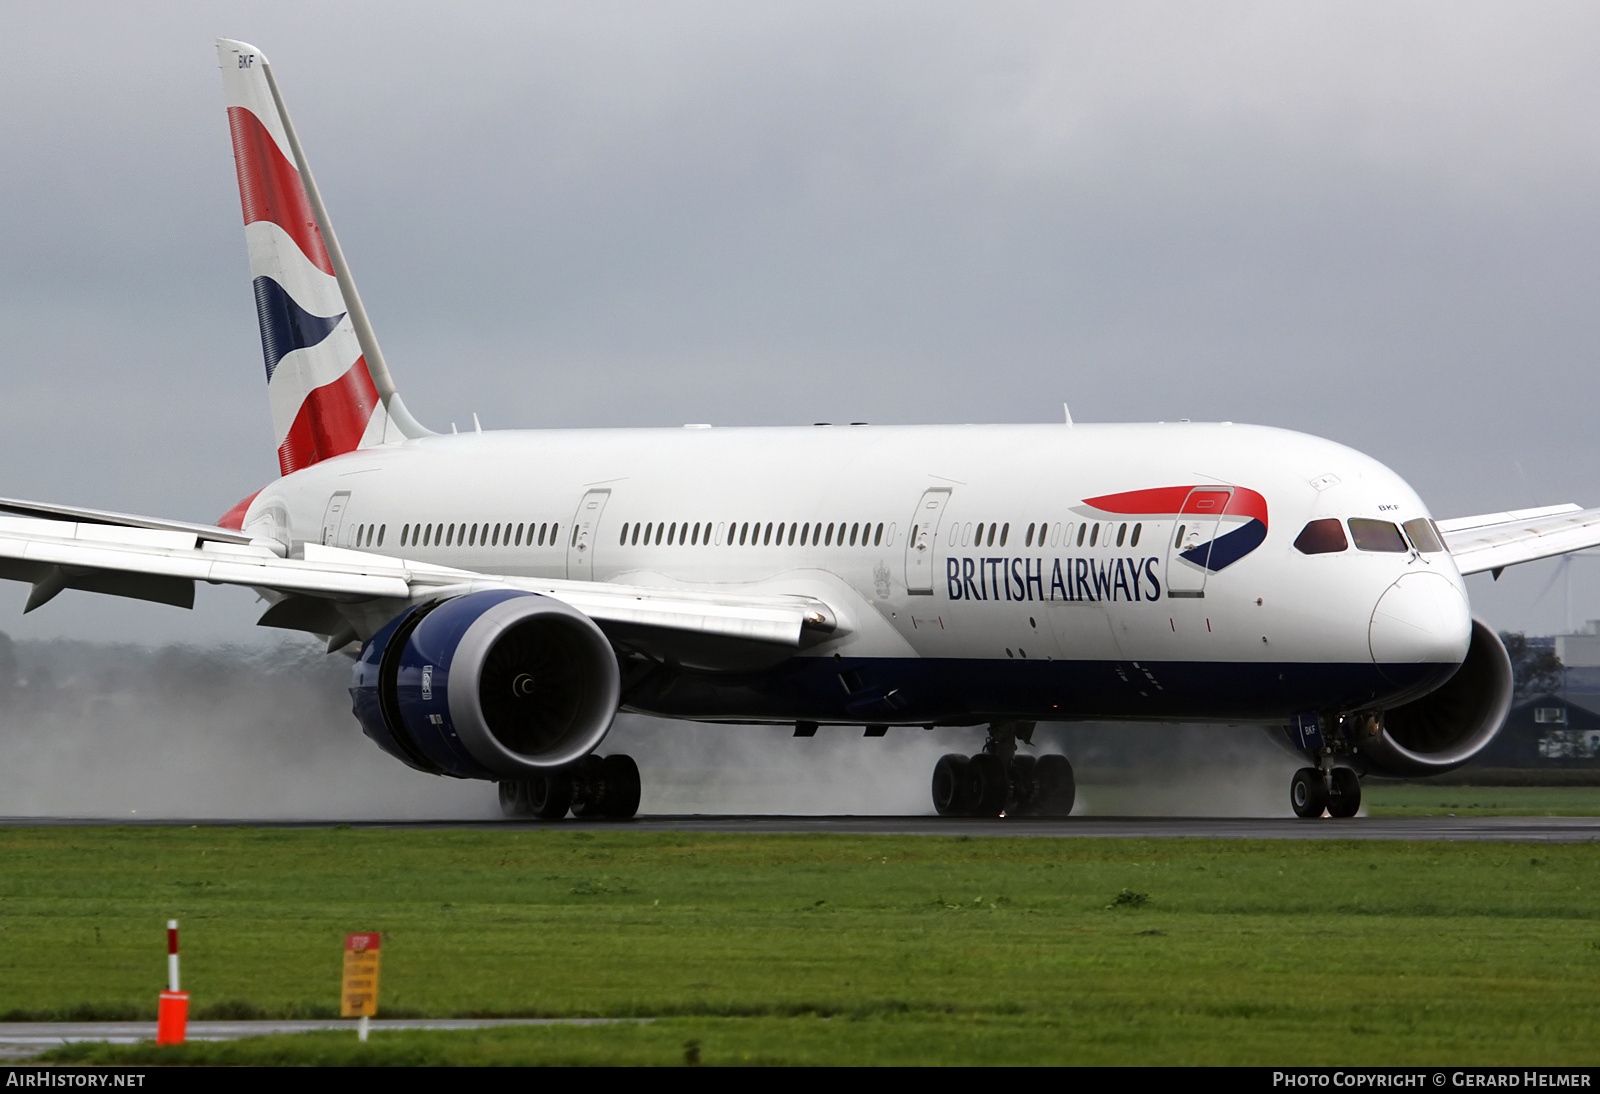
[997, 781]
[1313, 792]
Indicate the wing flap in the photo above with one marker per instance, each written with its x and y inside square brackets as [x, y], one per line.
[1494, 541]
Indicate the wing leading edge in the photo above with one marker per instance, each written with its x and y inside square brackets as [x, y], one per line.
[1493, 541]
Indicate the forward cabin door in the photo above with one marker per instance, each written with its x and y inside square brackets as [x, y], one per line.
[333, 518]
[920, 543]
[585, 527]
[1189, 552]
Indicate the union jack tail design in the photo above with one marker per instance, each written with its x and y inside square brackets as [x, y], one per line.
[328, 385]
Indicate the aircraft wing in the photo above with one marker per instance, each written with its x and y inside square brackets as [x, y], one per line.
[161, 561]
[1493, 541]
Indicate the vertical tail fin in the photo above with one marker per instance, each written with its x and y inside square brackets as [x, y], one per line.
[327, 382]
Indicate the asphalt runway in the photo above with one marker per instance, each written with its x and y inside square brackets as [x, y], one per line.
[1481, 829]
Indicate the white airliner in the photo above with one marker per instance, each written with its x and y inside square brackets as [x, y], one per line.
[510, 591]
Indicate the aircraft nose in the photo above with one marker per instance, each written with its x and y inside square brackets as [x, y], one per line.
[1422, 618]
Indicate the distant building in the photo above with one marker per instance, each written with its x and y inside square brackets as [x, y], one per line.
[1580, 650]
[1546, 731]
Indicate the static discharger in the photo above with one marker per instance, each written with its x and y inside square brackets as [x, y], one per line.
[172, 1016]
[358, 994]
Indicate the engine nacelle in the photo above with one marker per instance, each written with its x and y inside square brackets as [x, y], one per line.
[1450, 725]
[490, 685]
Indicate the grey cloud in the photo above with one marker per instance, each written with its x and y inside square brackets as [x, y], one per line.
[1372, 222]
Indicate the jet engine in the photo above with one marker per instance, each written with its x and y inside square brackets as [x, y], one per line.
[490, 685]
[1451, 724]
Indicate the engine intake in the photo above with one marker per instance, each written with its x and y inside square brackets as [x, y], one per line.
[1451, 724]
[491, 685]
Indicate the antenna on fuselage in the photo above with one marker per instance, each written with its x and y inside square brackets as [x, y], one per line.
[1067, 411]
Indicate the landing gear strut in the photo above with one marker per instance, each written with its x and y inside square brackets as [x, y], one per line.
[997, 780]
[592, 788]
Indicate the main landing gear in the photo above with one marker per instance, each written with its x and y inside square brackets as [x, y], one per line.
[593, 788]
[1313, 792]
[997, 780]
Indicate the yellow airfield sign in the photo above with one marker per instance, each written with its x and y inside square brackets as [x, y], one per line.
[358, 995]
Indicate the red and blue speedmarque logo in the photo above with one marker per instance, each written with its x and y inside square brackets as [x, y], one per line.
[1221, 524]
[1213, 527]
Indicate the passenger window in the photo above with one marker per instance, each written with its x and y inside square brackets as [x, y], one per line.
[1134, 542]
[381, 529]
[1121, 533]
[877, 539]
[519, 536]
[1422, 536]
[1027, 540]
[554, 528]
[1082, 528]
[766, 537]
[828, 539]
[542, 529]
[1376, 535]
[1177, 540]
[1094, 535]
[1005, 530]
[623, 541]
[661, 530]
[854, 529]
[1321, 537]
[405, 530]
[793, 528]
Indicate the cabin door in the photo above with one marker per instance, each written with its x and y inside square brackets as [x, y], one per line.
[1189, 552]
[333, 518]
[923, 538]
[585, 528]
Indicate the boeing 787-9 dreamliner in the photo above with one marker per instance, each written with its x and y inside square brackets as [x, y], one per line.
[506, 593]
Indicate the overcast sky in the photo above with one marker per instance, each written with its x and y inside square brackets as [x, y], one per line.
[1373, 222]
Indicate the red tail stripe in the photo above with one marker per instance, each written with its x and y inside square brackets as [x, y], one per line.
[270, 187]
[331, 420]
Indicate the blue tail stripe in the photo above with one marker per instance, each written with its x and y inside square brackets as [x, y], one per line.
[285, 325]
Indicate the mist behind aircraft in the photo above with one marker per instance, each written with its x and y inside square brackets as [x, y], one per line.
[129, 731]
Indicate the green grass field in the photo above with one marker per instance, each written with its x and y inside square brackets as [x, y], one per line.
[1422, 799]
[815, 949]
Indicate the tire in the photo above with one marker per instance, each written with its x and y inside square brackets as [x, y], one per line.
[950, 797]
[1057, 788]
[1344, 793]
[1024, 787]
[550, 795]
[621, 777]
[1308, 793]
[988, 785]
[589, 791]
[513, 798]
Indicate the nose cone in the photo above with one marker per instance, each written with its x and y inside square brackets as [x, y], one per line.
[1421, 619]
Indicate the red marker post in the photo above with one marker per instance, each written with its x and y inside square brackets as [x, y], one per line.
[172, 1017]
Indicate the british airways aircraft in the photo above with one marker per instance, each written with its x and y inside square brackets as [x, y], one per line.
[509, 592]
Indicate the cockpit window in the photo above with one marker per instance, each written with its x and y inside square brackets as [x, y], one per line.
[1376, 535]
[1321, 537]
[1423, 537]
